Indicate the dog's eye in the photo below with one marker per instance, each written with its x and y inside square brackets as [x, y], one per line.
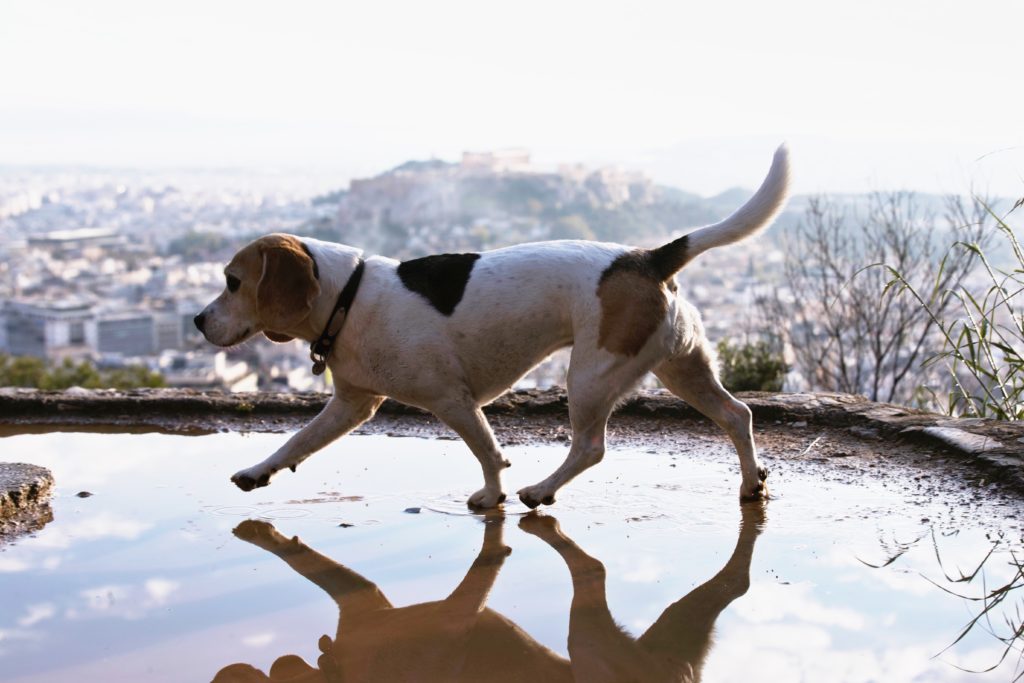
[233, 283]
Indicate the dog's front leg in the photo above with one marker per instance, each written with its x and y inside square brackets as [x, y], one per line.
[469, 422]
[354, 593]
[470, 596]
[342, 414]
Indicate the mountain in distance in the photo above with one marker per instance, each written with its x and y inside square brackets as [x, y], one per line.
[493, 199]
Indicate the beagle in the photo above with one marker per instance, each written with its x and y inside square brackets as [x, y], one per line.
[452, 332]
[460, 638]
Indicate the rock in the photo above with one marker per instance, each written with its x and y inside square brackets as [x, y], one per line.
[865, 433]
[24, 498]
[21, 486]
[962, 440]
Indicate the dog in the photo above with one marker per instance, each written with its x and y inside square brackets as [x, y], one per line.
[452, 332]
[461, 639]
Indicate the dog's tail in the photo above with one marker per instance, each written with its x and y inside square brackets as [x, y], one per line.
[748, 220]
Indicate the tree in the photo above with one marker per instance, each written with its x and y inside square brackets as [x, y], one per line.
[848, 331]
[132, 377]
[28, 371]
[21, 371]
[757, 366]
[71, 374]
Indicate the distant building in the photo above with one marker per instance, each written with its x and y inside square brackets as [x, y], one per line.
[46, 330]
[513, 160]
[19, 202]
[168, 332]
[73, 241]
[614, 186]
[129, 334]
[204, 370]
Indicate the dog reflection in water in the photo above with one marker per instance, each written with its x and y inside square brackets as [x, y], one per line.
[460, 639]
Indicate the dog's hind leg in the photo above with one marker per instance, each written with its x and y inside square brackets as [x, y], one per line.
[589, 420]
[595, 383]
[692, 377]
[468, 421]
[684, 630]
[599, 649]
[342, 414]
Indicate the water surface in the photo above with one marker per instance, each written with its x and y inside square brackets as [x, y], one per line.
[168, 573]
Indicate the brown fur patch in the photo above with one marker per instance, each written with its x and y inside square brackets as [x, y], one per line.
[633, 304]
[287, 285]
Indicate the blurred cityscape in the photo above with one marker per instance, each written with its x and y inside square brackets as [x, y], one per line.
[110, 267]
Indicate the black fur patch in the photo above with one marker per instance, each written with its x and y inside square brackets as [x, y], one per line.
[668, 259]
[657, 264]
[440, 279]
[316, 268]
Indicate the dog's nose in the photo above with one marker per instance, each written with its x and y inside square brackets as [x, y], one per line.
[200, 320]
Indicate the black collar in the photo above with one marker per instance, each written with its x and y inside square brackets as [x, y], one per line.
[321, 348]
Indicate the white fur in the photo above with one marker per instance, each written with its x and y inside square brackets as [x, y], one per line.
[752, 217]
[520, 304]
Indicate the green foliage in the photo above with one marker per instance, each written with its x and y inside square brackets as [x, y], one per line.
[27, 371]
[132, 377]
[982, 333]
[21, 371]
[751, 367]
[70, 374]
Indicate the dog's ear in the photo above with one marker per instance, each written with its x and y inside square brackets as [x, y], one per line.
[287, 287]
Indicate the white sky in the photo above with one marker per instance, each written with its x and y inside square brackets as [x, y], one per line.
[870, 94]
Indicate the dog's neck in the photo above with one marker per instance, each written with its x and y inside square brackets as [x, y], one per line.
[335, 262]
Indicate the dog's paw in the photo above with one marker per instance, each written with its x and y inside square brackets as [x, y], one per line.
[532, 496]
[758, 491]
[541, 526]
[259, 533]
[755, 488]
[248, 480]
[486, 498]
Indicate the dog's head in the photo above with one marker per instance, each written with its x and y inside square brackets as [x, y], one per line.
[270, 287]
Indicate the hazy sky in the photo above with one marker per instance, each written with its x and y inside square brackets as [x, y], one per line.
[869, 94]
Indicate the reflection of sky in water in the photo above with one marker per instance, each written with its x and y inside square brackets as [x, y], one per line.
[144, 580]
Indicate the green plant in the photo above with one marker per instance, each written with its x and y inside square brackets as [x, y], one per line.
[28, 371]
[982, 333]
[992, 610]
[757, 366]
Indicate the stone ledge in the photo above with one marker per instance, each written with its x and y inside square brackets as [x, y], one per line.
[996, 443]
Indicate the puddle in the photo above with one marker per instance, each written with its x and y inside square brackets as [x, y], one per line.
[647, 563]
